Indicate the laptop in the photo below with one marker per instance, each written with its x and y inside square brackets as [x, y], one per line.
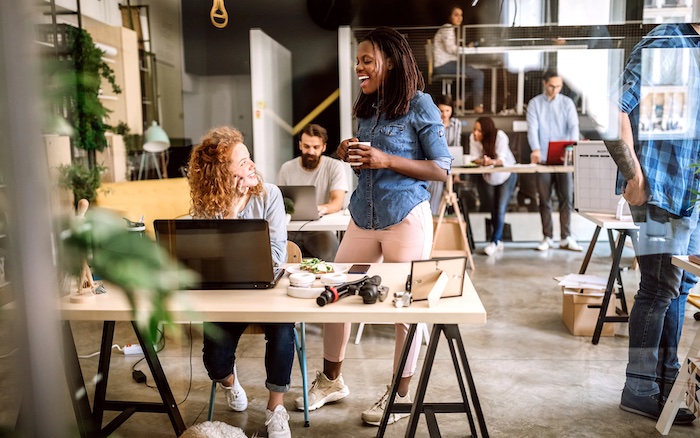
[227, 253]
[304, 199]
[457, 153]
[555, 153]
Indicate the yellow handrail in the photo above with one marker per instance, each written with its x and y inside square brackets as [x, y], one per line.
[316, 111]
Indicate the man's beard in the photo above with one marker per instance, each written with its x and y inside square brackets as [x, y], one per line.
[310, 162]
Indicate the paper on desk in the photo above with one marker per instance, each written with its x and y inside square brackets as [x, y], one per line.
[584, 281]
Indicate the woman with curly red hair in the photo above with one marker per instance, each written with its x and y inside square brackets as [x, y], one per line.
[224, 185]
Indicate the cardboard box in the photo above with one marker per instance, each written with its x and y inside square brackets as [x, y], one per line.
[580, 319]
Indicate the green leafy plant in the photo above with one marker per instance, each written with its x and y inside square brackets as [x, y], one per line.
[72, 85]
[83, 181]
[288, 205]
[132, 142]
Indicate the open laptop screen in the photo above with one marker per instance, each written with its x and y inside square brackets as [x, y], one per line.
[555, 152]
[304, 199]
[227, 253]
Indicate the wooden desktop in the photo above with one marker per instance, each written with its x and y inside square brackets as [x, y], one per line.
[274, 305]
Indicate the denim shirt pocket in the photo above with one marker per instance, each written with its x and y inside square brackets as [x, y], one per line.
[397, 139]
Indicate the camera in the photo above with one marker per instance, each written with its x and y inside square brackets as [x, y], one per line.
[402, 299]
[370, 289]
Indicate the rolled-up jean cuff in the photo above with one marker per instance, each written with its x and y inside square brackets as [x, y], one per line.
[276, 388]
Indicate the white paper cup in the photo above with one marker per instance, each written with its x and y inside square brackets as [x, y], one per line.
[352, 157]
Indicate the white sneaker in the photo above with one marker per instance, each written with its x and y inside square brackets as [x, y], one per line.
[235, 395]
[323, 390]
[570, 244]
[277, 423]
[546, 243]
[374, 414]
[492, 248]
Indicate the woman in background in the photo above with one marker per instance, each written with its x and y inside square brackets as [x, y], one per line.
[224, 185]
[491, 147]
[445, 56]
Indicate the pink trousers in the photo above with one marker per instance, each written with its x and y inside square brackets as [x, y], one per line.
[404, 242]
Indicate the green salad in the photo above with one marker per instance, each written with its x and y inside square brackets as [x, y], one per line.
[316, 266]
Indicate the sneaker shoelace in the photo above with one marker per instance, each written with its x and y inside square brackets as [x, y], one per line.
[381, 404]
[279, 420]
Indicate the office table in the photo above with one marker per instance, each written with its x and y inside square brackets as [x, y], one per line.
[625, 228]
[271, 306]
[337, 222]
[678, 391]
[449, 198]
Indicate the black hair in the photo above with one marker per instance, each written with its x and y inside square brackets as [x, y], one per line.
[488, 136]
[445, 99]
[400, 83]
[549, 74]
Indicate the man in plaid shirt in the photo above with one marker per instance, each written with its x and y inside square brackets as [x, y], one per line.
[659, 141]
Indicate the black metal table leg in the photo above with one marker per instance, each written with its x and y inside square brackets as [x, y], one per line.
[76, 384]
[614, 272]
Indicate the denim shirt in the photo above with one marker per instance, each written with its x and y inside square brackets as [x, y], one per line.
[384, 197]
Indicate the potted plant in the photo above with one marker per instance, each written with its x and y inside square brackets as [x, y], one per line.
[82, 180]
[288, 208]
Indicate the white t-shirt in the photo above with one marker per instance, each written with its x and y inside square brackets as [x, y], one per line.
[328, 176]
[502, 151]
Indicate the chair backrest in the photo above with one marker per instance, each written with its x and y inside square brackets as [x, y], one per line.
[429, 56]
[293, 252]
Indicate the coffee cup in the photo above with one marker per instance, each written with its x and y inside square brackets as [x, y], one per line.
[352, 157]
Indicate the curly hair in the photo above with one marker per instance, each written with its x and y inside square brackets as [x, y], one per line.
[210, 175]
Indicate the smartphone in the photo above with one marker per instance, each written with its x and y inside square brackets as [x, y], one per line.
[358, 269]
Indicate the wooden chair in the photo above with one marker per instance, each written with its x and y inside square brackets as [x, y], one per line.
[293, 256]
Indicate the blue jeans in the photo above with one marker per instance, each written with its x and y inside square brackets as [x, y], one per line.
[220, 343]
[471, 73]
[656, 319]
[501, 197]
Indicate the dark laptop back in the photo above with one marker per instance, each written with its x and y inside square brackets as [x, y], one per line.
[304, 198]
[227, 253]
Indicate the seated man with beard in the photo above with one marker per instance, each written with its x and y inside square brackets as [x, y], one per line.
[328, 176]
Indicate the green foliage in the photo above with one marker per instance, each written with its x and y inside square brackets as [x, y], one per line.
[136, 264]
[82, 180]
[81, 88]
[132, 142]
[288, 205]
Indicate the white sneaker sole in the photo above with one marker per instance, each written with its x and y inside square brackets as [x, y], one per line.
[393, 418]
[330, 398]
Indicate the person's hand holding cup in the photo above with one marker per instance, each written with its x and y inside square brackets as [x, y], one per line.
[354, 157]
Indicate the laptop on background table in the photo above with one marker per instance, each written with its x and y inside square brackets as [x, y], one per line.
[555, 153]
[227, 253]
[304, 198]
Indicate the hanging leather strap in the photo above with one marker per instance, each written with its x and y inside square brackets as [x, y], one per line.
[218, 14]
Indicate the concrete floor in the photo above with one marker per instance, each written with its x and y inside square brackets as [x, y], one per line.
[534, 379]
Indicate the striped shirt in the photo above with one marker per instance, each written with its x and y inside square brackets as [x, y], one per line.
[665, 152]
[453, 133]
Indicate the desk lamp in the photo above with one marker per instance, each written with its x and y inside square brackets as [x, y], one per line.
[156, 141]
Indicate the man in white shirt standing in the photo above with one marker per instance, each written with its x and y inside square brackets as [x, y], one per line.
[552, 116]
[328, 175]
